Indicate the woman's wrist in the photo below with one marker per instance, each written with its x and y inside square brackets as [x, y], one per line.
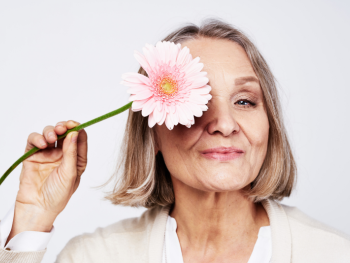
[30, 218]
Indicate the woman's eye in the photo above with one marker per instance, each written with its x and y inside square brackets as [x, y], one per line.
[245, 103]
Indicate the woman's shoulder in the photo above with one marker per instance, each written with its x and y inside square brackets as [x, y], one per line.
[129, 225]
[301, 221]
[309, 234]
[125, 238]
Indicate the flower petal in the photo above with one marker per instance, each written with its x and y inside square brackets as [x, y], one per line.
[198, 99]
[157, 115]
[194, 76]
[195, 109]
[200, 82]
[166, 48]
[143, 62]
[201, 91]
[148, 107]
[138, 104]
[144, 94]
[194, 69]
[174, 118]
[167, 59]
[187, 111]
[203, 107]
[151, 121]
[169, 123]
[132, 85]
[150, 55]
[159, 105]
[136, 78]
[183, 56]
[163, 118]
[182, 116]
[160, 50]
[137, 88]
[172, 108]
[208, 96]
[174, 50]
[190, 64]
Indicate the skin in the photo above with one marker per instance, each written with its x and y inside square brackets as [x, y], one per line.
[49, 177]
[216, 222]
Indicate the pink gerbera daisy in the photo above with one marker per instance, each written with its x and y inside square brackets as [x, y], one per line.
[175, 90]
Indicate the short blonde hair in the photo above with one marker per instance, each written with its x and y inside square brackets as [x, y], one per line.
[145, 179]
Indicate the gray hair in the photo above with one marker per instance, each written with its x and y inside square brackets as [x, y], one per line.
[145, 179]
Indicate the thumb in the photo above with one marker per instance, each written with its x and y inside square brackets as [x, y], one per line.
[69, 160]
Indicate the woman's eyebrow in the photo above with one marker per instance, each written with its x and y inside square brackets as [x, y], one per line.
[243, 80]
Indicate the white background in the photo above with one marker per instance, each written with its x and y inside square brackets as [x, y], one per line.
[62, 60]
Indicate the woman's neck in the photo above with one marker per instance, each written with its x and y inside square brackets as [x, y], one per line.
[216, 223]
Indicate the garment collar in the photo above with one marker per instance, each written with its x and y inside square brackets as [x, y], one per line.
[280, 233]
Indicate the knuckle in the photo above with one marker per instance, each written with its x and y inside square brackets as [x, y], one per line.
[61, 123]
[49, 131]
[74, 122]
[30, 136]
[73, 152]
[33, 137]
[48, 128]
[81, 170]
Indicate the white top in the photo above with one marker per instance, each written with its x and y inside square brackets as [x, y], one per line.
[35, 241]
[295, 238]
[24, 241]
[172, 250]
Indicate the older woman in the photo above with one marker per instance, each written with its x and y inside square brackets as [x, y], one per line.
[212, 190]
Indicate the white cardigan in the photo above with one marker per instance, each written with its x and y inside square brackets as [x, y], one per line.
[296, 238]
[36, 241]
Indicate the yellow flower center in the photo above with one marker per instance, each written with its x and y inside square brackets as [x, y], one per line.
[168, 86]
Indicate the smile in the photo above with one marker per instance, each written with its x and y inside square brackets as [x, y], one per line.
[222, 153]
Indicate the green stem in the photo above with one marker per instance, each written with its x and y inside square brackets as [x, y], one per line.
[77, 128]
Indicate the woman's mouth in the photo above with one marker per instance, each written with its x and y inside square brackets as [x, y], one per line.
[222, 153]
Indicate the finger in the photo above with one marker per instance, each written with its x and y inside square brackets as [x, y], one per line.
[68, 166]
[50, 135]
[76, 184]
[35, 140]
[61, 127]
[82, 148]
[60, 143]
[71, 124]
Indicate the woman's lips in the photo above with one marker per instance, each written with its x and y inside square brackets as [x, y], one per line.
[222, 153]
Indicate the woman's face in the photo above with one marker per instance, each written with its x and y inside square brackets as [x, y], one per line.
[236, 118]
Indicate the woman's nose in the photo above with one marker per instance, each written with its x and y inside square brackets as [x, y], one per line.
[221, 119]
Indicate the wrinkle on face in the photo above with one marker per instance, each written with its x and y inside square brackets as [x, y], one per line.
[231, 77]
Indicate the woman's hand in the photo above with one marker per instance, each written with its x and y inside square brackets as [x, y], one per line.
[49, 177]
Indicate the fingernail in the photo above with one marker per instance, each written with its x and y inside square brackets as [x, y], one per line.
[59, 124]
[51, 134]
[74, 136]
[42, 142]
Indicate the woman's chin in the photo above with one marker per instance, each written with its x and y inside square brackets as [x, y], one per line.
[224, 184]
